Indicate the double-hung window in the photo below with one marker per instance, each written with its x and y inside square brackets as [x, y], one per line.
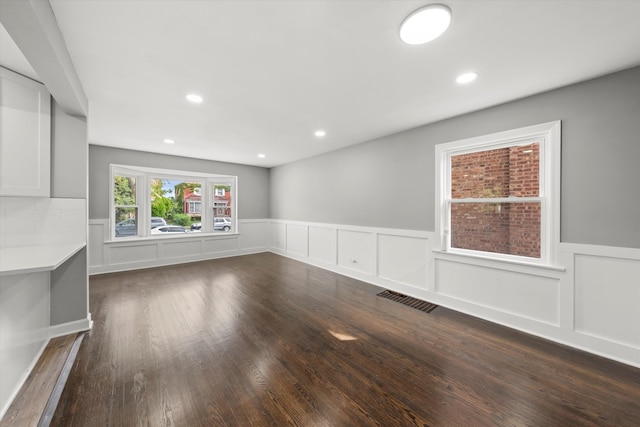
[125, 204]
[499, 194]
[159, 202]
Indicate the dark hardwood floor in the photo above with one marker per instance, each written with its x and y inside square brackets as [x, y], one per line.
[262, 340]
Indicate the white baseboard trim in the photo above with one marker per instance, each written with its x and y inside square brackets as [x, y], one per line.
[71, 327]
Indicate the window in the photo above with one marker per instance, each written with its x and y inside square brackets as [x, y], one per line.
[148, 201]
[179, 201]
[222, 206]
[499, 194]
[125, 207]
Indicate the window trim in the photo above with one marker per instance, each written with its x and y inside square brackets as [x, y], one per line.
[144, 175]
[549, 136]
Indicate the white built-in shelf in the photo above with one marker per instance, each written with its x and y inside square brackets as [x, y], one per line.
[35, 259]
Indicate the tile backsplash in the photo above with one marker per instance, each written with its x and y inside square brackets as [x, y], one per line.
[34, 221]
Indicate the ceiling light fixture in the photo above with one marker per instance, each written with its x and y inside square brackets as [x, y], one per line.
[168, 141]
[262, 156]
[195, 98]
[466, 78]
[425, 24]
[319, 133]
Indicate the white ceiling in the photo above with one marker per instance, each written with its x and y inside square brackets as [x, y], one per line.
[272, 72]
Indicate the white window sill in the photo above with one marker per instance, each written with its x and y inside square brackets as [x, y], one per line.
[171, 236]
[503, 264]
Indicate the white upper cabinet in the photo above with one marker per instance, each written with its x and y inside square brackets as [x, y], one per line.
[25, 136]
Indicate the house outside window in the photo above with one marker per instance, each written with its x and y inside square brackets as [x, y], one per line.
[499, 194]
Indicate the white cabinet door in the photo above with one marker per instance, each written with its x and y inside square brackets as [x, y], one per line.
[25, 136]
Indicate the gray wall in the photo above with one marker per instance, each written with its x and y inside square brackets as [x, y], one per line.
[253, 182]
[69, 290]
[69, 149]
[389, 182]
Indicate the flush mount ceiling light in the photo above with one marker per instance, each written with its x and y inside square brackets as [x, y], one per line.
[425, 24]
[168, 141]
[319, 133]
[262, 156]
[466, 78]
[195, 98]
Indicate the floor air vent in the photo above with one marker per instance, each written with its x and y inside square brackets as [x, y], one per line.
[425, 306]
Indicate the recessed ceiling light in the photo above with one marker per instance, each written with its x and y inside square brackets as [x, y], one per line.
[320, 133]
[168, 141]
[262, 156]
[425, 24]
[195, 98]
[466, 78]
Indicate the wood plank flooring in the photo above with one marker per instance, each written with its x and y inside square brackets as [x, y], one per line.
[28, 406]
[254, 341]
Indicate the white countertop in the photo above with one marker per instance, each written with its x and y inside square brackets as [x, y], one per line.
[34, 259]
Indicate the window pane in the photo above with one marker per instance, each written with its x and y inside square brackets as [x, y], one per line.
[505, 228]
[175, 202]
[124, 191]
[222, 204]
[126, 222]
[504, 172]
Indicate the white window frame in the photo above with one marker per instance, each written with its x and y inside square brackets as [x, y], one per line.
[144, 175]
[549, 137]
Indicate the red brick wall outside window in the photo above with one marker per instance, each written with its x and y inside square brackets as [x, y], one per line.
[506, 227]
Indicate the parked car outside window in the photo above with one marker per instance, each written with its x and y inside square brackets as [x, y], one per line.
[126, 228]
[157, 222]
[165, 229]
[222, 224]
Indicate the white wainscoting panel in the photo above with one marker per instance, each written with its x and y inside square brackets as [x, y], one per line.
[357, 251]
[323, 244]
[297, 239]
[607, 298]
[128, 254]
[252, 236]
[95, 248]
[525, 295]
[403, 259]
[221, 246]
[180, 249]
[279, 235]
